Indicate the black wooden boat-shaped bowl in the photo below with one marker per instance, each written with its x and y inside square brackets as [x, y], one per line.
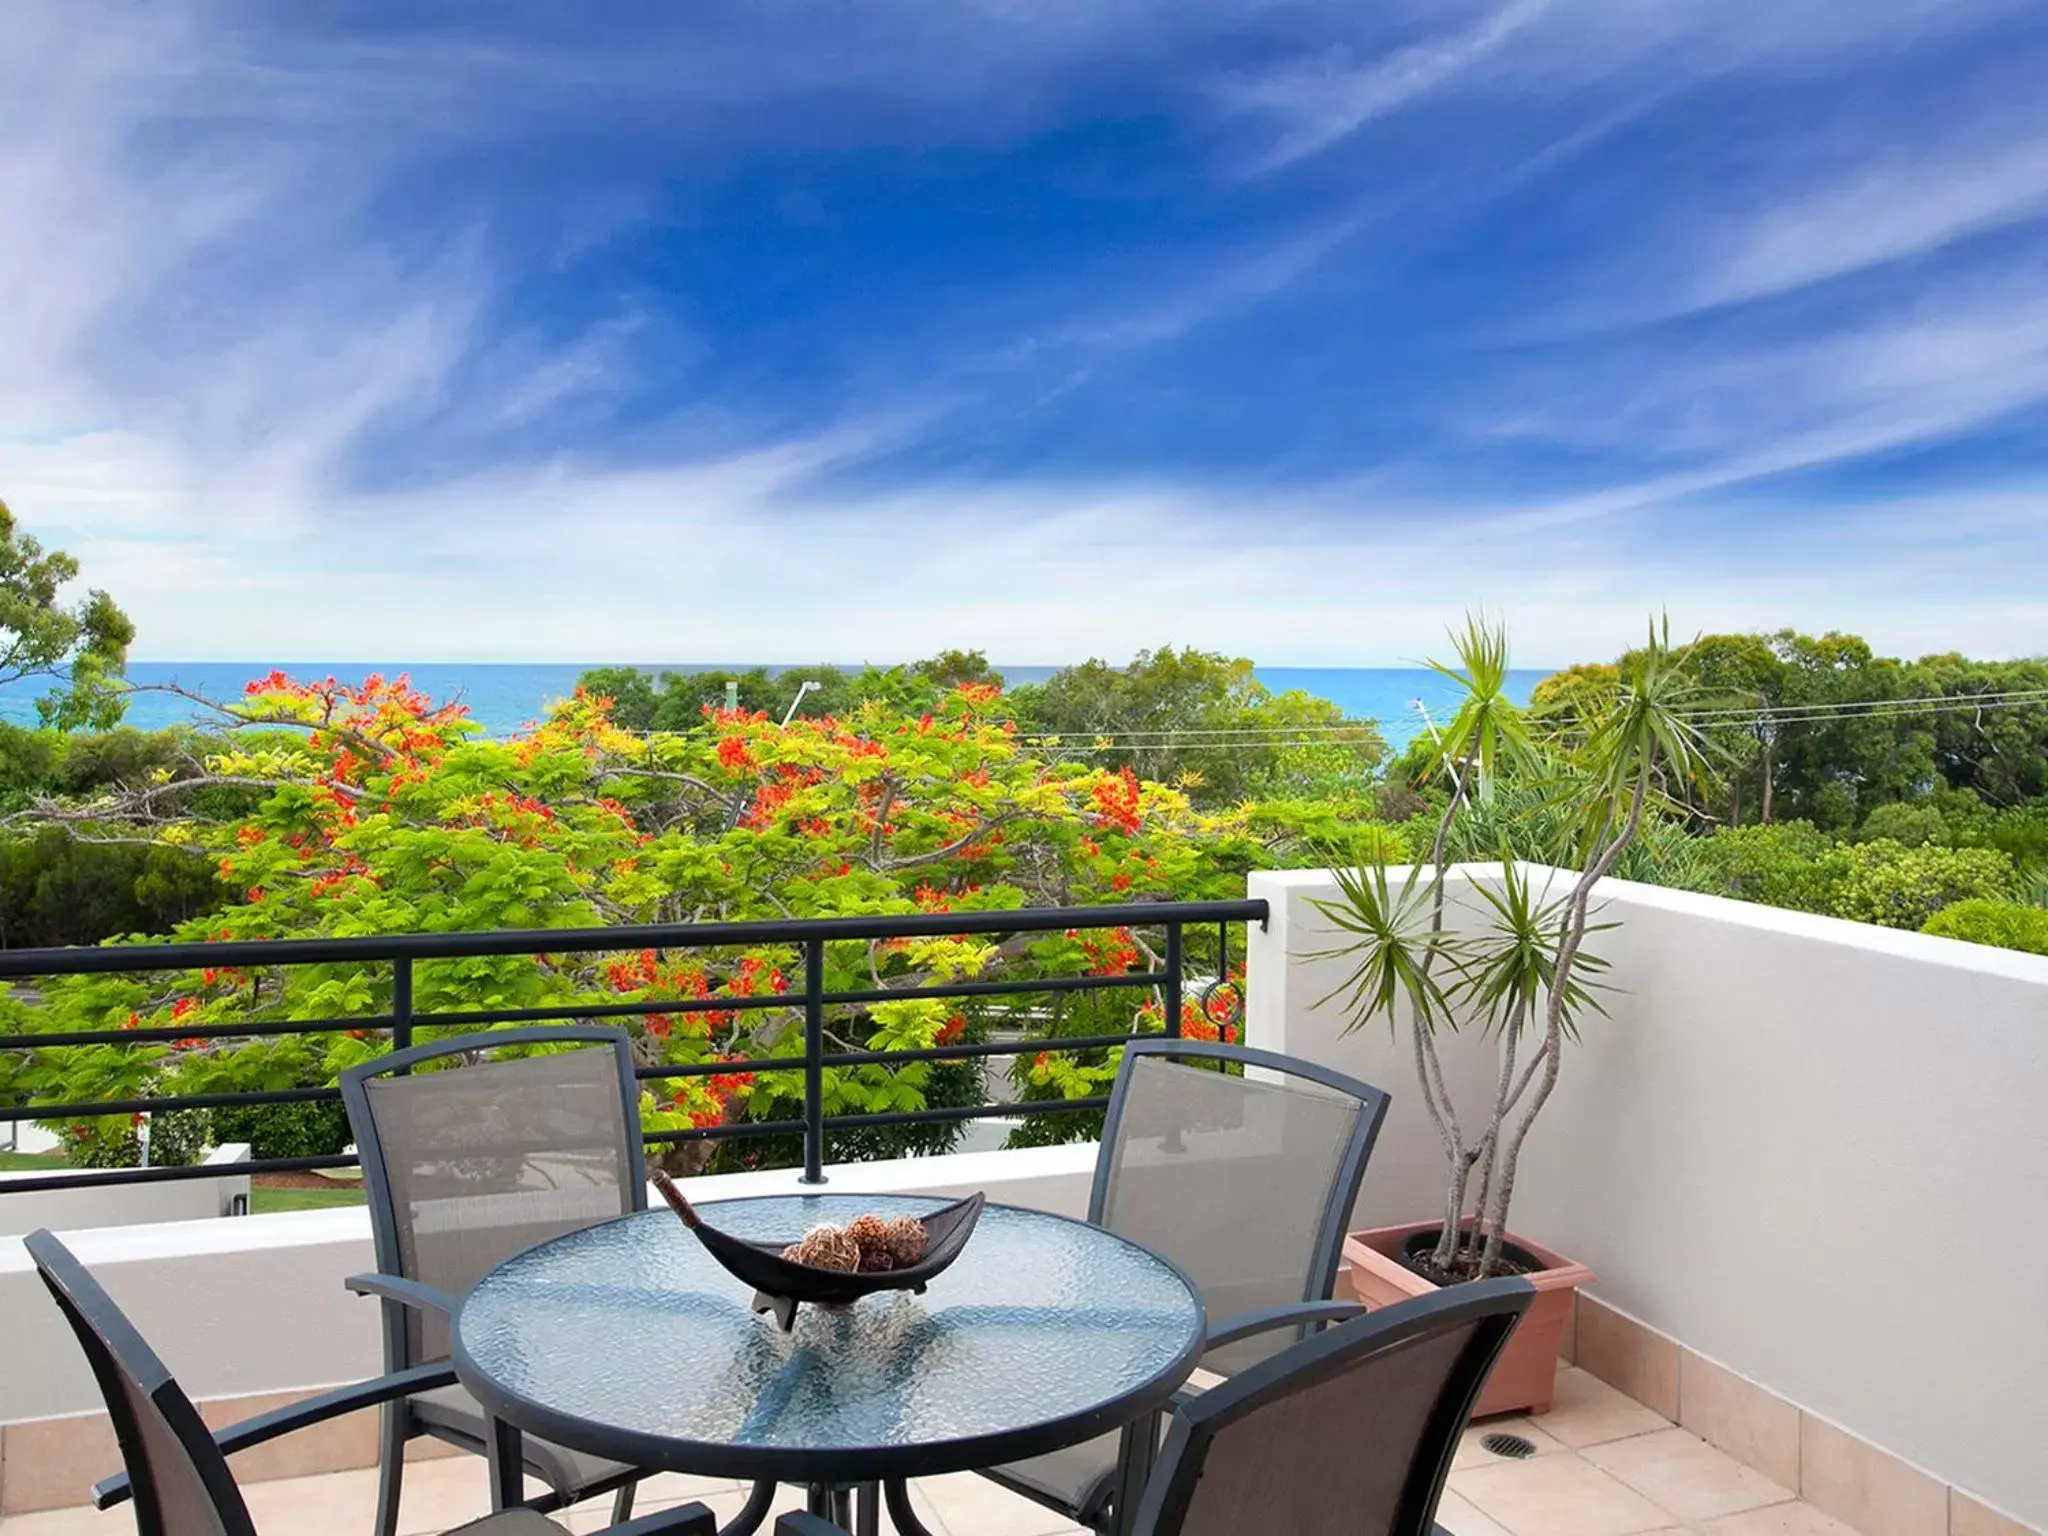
[782, 1285]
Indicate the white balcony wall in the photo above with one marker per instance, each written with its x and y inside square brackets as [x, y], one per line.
[1809, 1149]
[120, 1205]
[255, 1304]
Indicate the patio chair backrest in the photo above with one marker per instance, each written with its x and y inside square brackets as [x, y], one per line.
[1246, 1181]
[467, 1163]
[181, 1481]
[1348, 1433]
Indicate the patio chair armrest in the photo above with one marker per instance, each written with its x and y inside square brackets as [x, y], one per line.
[797, 1523]
[410, 1293]
[1294, 1315]
[682, 1520]
[302, 1415]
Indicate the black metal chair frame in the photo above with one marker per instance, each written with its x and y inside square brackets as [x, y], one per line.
[398, 1293]
[1493, 1307]
[1315, 1309]
[115, 1348]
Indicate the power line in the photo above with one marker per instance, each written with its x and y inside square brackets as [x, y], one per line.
[1790, 714]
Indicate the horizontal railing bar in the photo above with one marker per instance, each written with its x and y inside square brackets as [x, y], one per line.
[172, 1104]
[101, 1176]
[894, 1117]
[166, 1105]
[81, 960]
[989, 1048]
[254, 1029]
[1017, 987]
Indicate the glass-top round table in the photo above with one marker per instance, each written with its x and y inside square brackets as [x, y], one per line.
[628, 1341]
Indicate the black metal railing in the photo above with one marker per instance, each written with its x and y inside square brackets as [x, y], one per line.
[400, 1022]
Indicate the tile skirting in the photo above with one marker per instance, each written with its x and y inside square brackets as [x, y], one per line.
[1843, 1475]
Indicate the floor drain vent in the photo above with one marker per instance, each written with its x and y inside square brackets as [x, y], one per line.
[1509, 1445]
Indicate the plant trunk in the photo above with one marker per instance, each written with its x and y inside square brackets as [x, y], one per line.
[1766, 813]
[1489, 1146]
[1511, 1157]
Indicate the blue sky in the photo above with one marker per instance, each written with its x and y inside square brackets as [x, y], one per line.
[772, 330]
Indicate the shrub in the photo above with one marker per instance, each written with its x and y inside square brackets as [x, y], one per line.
[2004, 924]
[177, 1139]
[284, 1130]
[1906, 823]
[1899, 887]
[1789, 864]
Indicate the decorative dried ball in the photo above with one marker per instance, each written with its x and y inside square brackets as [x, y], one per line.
[906, 1240]
[825, 1247]
[876, 1261]
[872, 1233]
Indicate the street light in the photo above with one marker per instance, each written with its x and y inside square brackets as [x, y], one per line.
[801, 690]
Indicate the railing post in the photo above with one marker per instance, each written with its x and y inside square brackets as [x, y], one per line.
[1173, 970]
[401, 1003]
[814, 1061]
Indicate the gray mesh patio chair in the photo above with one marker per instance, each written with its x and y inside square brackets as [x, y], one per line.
[1245, 1181]
[465, 1166]
[177, 1469]
[1349, 1432]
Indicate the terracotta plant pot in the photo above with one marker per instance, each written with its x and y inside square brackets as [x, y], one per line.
[1526, 1376]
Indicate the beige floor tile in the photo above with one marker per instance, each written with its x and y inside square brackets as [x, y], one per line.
[977, 1507]
[1558, 1496]
[664, 1490]
[1682, 1473]
[728, 1504]
[82, 1520]
[1458, 1515]
[1587, 1411]
[437, 1496]
[1472, 1454]
[1797, 1518]
[330, 1504]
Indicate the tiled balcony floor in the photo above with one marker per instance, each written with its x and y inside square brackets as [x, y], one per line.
[1604, 1466]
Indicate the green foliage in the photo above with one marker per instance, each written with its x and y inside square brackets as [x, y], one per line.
[1899, 887]
[2002, 923]
[1200, 721]
[83, 647]
[1794, 864]
[57, 889]
[676, 701]
[312, 1129]
[176, 1140]
[1909, 823]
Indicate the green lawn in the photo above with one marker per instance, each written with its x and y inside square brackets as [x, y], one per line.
[19, 1161]
[263, 1202]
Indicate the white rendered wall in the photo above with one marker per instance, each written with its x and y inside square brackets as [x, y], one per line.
[255, 1304]
[124, 1205]
[1813, 1150]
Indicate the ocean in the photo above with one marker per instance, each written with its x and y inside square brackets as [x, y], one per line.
[504, 696]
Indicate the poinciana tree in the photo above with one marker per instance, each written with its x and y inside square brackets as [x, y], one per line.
[372, 810]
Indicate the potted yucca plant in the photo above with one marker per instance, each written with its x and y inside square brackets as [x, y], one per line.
[1517, 967]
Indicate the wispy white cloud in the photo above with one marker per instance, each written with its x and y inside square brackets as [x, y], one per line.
[197, 338]
[1897, 207]
[1319, 101]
